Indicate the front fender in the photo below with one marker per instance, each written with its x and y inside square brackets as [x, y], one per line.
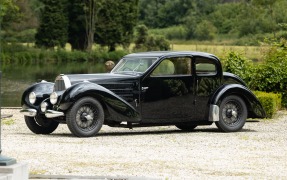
[116, 108]
[42, 91]
[255, 109]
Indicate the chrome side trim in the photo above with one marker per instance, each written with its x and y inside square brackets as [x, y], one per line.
[213, 113]
[29, 112]
[53, 114]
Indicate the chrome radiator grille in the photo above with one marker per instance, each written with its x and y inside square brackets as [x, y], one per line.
[59, 85]
[62, 82]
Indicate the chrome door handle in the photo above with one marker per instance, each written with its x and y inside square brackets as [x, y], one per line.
[144, 88]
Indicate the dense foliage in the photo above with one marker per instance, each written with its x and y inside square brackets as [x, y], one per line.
[14, 54]
[270, 75]
[146, 42]
[8, 11]
[76, 31]
[53, 25]
[271, 102]
[235, 63]
[245, 21]
[238, 18]
[115, 23]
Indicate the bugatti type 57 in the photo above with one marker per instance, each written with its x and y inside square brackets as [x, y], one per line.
[184, 89]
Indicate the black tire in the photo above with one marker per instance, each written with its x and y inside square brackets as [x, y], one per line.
[186, 126]
[86, 117]
[232, 114]
[41, 125]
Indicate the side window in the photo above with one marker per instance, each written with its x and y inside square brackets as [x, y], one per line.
[173, 66]
[166, 67]
[204, 66]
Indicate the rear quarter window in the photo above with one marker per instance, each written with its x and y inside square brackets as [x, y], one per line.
[205, 66]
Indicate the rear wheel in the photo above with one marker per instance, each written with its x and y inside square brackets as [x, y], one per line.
[40, 124]
[232, 114]
[86, 117]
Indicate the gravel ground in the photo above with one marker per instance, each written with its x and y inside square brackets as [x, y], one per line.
[258, 151]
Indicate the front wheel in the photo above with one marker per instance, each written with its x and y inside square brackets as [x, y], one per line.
[41, 125]
[232, 114]
[86, 117]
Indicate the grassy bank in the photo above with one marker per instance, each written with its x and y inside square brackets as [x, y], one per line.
[251, 52]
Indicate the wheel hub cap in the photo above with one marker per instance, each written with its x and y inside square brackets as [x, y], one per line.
[231, 113]
[83, 117]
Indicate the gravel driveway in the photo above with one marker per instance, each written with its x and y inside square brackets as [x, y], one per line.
[258, 151]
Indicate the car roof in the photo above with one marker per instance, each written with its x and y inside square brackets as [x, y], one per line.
[159, 54]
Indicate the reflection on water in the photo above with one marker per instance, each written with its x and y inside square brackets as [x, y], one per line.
[16, 78]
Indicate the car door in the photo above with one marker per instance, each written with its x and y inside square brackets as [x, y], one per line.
[168, 92]
[208, 74]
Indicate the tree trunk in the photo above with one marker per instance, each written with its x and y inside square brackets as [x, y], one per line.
[90, 24]
[112, 47]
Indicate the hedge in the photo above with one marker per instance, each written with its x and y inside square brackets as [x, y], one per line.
[19, 54]
[271, 102]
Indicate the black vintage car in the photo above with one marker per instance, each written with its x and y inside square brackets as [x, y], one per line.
[185, 89]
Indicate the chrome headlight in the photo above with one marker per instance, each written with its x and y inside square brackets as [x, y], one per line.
[54, 98]
[44, 106]
[32, 97]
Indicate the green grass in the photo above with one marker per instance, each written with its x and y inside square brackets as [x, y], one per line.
[8, 121]
[250, 52]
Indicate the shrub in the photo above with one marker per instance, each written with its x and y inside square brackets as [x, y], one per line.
[271, 75]
[171, 33]
[271, 102]
[21, 55]
[205, 31]
[237, 64]
[146, 42]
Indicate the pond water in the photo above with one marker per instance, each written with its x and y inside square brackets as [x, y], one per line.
[16, 78]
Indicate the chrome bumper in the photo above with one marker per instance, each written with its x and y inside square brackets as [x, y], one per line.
[53, 114]
[29, 112]
[48, 113]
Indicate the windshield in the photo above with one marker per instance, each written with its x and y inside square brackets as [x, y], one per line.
[133, 65]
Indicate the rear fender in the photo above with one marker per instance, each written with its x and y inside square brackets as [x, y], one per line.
[255, 109]
[116, 108]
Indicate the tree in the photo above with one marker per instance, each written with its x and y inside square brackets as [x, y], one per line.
[163, 13]
[115, 23]
[77, 27]
[205, 30]
[268, 5]
[53, 29]
[9, 12]
[141, 36]
[90, 16]
[146, 42]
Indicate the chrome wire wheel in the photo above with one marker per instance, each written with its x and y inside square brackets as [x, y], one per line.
[86, 117]
[232, 114]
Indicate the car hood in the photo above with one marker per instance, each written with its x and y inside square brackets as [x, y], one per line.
[121, 84]
[100, 78]
[108, 80]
